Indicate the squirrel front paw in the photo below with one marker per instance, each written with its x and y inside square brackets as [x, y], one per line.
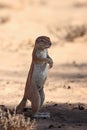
[50, 62]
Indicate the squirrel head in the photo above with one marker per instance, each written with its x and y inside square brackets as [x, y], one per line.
[43, 42]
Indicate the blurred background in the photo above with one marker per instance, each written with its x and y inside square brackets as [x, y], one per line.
[65, 22]
[21, 21]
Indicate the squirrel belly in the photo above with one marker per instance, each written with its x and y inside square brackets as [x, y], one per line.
[39, 75]
[40, 69]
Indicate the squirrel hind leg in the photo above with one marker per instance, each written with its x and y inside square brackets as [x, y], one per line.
[42, 97]
[35, 104]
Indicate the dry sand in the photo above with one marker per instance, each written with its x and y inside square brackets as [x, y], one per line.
[65, 22]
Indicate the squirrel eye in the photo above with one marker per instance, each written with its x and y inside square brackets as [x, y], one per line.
[42, 40]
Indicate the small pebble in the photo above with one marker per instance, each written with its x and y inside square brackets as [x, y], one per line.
[51, 126]
[55, 104]
[59, 126]
[80, 107]
[68, 87]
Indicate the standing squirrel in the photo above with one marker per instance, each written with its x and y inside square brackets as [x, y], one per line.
[37, 75]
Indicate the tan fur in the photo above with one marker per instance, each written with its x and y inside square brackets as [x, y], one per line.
[37, 75]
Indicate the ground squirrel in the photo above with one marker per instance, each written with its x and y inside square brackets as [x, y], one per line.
[37, 75]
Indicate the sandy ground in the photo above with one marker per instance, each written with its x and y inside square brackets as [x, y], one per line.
[65, 22]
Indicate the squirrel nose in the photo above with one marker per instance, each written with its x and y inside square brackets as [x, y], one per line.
[50, 43]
